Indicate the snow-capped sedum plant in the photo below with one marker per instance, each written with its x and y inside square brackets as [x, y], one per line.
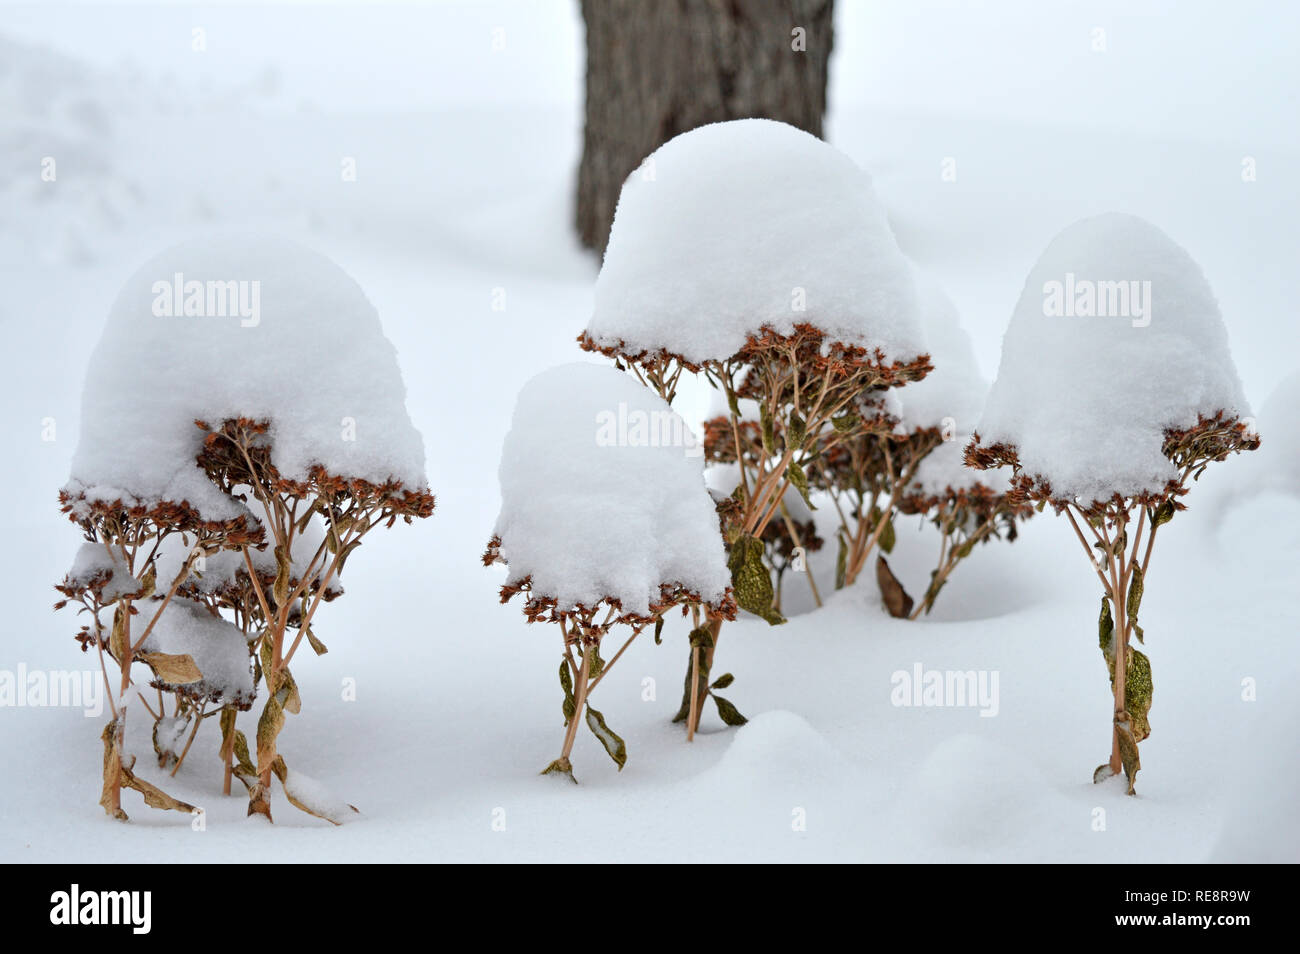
[242, 401]
[1116, 389]
[758, 256]
[603, 527]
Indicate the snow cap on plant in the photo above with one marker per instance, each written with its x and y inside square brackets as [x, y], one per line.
[603, 499]
[239, 326]
[739, 230]
[1116, 387]
[1116, 356]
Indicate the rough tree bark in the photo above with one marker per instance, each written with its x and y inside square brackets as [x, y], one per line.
[657, 68]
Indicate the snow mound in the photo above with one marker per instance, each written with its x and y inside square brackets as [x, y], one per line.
[976, 795]
[780, 748]
[602, 493]
[294, 340]
[955, 389]
[218, 647]
[1260, 824]
[725, 228]
[1086, 398]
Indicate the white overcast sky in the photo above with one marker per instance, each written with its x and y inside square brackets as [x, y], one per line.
[1211, 69]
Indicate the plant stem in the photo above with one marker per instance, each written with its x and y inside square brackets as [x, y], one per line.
[794, 536]
[580, 700]
[692, 717]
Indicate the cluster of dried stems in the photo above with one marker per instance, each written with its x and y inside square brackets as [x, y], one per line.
[273, 609]
[131, 535]
[806, 389]
[965, 517]
[582, 667]
[1121, 562]
[786, 542]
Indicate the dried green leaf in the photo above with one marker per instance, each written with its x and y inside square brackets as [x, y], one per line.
[243, 760]
[317, 646]
[701, 638]
[614, 745]
[569, 706]
[887, 537]
[768, 428]
[149, 582]
[702, 682]
[174, 669]
[799, 480]
[268, 728]
[1137, 692]
[895, 597]
[659, 628]
[797, 431]
[1106, 631]
[1135, 594]
[723, 681]
[841, 563]
[117, 642]
[845, 423]
[288, 692]
[343, 557]
[727, 712]
[750, 579]
[1128, 749]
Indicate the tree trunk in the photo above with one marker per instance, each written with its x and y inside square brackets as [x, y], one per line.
[657, 69]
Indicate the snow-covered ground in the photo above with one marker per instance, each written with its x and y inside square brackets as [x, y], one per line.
[458, 228]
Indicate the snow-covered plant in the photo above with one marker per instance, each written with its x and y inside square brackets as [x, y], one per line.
[243, 396]
[602, 531]
[1116, 388]
[864, 476]
[238, 456]
[223, 585]
[758, 256]
[113, 578]
[966, 506]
